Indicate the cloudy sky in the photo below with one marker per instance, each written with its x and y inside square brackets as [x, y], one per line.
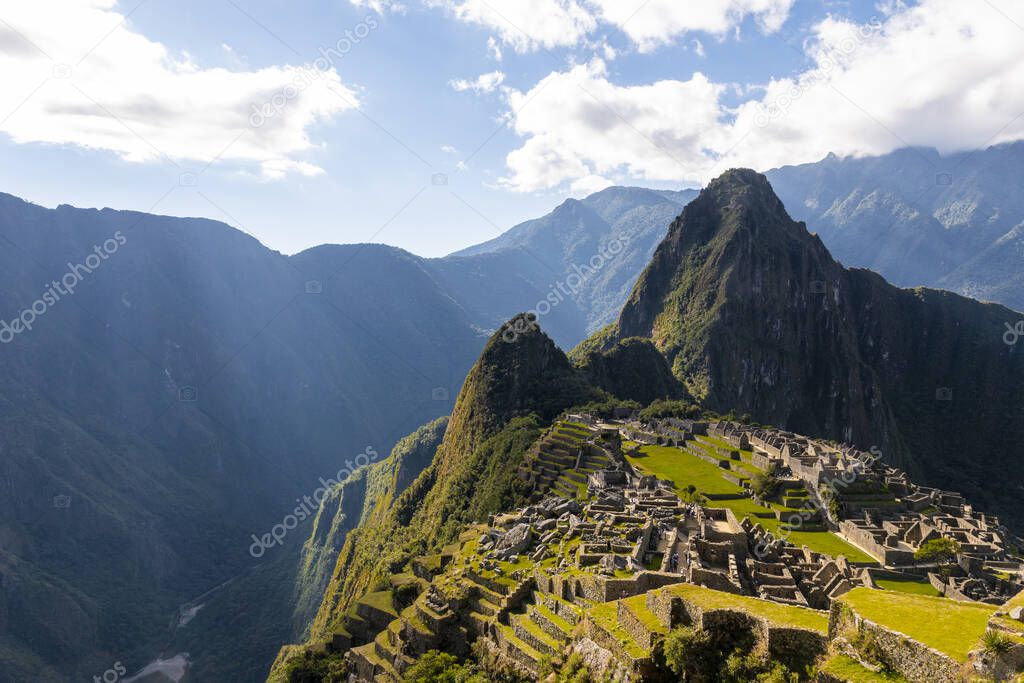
[436, 124]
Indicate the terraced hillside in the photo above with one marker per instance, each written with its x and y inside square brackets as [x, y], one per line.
[628, 553]
[722, 474]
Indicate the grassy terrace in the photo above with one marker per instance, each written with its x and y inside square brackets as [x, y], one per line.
[606, 615]
[951, 627]
[912, 587]
[684, 468]
[381, 600]
[847, 669]
[776, 613]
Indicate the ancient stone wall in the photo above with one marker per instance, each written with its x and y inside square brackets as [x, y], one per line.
[917, 662]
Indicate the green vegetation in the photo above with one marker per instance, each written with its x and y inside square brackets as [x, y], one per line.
[850, 670]
[441, 667]
[686, 470]
[908, 586]
[720, 656]
[606, 616]
[313, 667]
[776, 613]
[683, 468]
[764, 485]
[951, 627]
[939, 550]
[662, 408]
[997, 642]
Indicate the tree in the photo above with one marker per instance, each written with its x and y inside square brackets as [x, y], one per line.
[441, 667]
[939, 550]
[689, 653]
[764, 486]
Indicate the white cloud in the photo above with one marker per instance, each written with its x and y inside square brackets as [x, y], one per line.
[380, 6]
[526, 25]
[493, 49]
[579, 124]
[483, 83]
[942, 73]
[75, 73]
[658, 22]
[589, 185]
[448, 149]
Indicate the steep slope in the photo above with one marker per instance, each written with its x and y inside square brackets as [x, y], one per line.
[353, 502]
[914, 216]
[513, 388]
[995, 274]
[755, 316]
[179, 401]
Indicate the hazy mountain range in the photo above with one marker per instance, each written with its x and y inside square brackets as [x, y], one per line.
[196, 386]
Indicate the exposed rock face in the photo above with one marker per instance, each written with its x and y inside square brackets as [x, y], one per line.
[754, 315]
[515, 541]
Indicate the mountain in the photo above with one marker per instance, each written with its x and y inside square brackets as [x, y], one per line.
[196, 385]
[580, 260]
[193, 387]
[519, 383]
[919, 218]
[755, 316]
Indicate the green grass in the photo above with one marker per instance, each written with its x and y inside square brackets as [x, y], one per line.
[654, 564]
[949, 626]
[908, 586]
[554, 618]
[828, 543]
[637, 605]
[537, 632]
[606, 615]
[850, 670]
[776, 613]
[381, 600]
[683, 468]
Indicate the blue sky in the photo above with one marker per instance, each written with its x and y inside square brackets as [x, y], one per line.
[653, 93]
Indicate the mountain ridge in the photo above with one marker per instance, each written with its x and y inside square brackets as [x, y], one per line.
[755, 316]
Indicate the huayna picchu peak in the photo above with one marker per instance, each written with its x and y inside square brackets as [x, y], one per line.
[754, 316]
[607, 515]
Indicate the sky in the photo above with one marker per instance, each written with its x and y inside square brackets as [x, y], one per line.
[433, 125]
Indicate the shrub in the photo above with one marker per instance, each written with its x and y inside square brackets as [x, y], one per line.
[317, 668]
[689, 655]
[750, 668]
[765, 486]
[661, 408]
[996, 643]
[441, 667]
[938, 550]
